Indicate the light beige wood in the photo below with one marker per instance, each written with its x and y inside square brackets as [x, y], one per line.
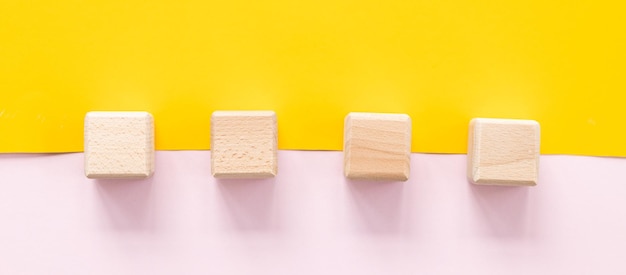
[503, 152]
[244, 144]
[119, 145]
[377, 146]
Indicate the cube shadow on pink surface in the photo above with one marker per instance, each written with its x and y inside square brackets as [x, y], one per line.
[249, 203]
[127, 203]
[379, 206]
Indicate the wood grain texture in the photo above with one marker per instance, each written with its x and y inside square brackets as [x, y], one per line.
[377, 146]
[503, 152]
[244, 144]
[119, 145]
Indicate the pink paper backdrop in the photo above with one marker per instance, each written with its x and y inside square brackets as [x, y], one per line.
[310, 220]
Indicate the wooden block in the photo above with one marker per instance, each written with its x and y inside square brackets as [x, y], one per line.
[377, 146]
[119, 145]
[244, 144]
[503, 152]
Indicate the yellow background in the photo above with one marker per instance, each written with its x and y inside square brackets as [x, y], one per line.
[313, 61]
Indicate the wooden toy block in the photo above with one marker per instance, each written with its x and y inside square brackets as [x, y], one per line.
[119, 145]
[377, 146]
[244, 144]
[503, 152]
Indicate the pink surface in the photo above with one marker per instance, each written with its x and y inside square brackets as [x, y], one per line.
[310, 220]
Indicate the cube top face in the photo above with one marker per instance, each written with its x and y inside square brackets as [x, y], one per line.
[244, 144]
[119, 145]
[377, 146]
[503, 152]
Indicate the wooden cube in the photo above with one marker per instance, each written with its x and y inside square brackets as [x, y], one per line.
[244, 144]
[119, 145]
[503, 152]
[377, 146]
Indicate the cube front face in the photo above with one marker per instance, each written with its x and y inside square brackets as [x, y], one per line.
[377, 146]
[119, 145]
[503, 152]
[244, 144]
